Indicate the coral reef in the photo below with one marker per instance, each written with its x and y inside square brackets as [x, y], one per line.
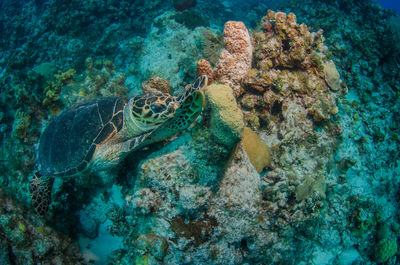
[99, 80]
[21, 124]
[203, 193]
[329, 192]
[364, 54]
[288, 60]
[53, 90]
[27, 240]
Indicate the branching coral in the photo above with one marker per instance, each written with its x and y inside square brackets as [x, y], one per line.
[22, 122]
[53, 90]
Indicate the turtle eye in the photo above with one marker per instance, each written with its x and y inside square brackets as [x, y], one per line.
[157, 108]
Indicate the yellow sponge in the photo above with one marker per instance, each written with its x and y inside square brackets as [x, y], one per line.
[258, 152]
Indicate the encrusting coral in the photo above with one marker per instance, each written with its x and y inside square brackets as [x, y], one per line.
[385, 249]
[155, 84]
[290, 65]
[332, 76]
[289, 62]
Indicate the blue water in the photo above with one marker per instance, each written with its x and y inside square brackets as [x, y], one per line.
[290, 155]
[390, 4]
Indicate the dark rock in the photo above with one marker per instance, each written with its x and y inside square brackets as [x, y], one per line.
[191, 19]
[4, 255]
[182, 5]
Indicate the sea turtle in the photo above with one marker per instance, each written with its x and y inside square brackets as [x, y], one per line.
[98, 133]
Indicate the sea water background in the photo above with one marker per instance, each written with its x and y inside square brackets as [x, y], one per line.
[390, 4]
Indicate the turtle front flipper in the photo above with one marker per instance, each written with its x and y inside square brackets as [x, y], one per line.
[40, 188]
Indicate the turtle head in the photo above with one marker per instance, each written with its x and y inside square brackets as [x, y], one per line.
[147, 112]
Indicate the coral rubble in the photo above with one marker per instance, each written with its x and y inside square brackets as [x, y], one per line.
[27, 240]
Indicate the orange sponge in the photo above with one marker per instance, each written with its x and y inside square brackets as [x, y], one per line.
[258, 152]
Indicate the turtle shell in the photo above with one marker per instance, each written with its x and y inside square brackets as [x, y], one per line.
[69, 142]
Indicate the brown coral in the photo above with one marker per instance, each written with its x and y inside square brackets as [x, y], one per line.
[289, 64]
[156, 84]
[204, 68]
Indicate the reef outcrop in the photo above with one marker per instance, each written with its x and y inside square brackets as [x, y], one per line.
[271, 106]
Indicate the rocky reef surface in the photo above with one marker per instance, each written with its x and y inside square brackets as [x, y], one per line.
[294, 161]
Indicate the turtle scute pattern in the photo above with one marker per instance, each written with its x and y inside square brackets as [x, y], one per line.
[149, 108]
[191, 105]
[68, 144]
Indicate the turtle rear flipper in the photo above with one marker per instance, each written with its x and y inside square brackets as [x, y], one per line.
[40, 188]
